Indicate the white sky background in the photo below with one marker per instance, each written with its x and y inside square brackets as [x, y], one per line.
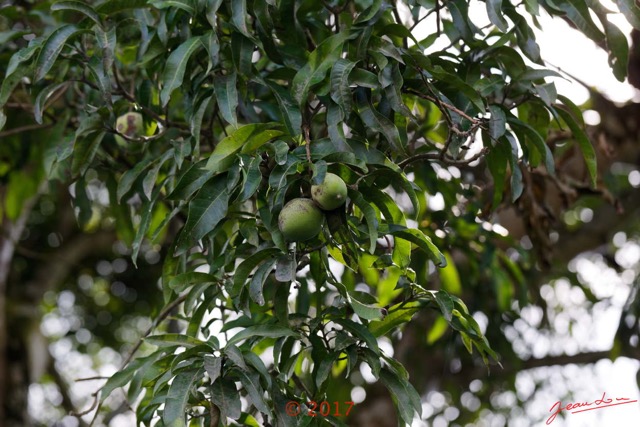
[570, 51]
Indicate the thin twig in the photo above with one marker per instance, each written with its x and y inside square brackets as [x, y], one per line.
[444, 159]
[27, 128]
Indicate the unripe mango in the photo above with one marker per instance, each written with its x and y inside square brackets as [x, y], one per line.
[331, 194]
[131, 125]
[300, 220]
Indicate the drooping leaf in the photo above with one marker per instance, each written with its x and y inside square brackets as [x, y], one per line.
[206, 210]
[227, 97]
[270, 331]
[78, 6]
[320, 61]
[175, 67]
[176, 401]
[52, 48]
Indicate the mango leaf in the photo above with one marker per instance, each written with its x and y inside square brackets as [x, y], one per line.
[269, 331]
[191, 181]
[52, 48]
[176, 401]
[319, 62]
[375, 120]
[399, 314]
[400, 390]
[78, 6]
[288, 109]
[588, 152]
[213, 366]
[227, 97]
[173, 340]
[246, 267]
[417, 237]
[494, 10]
[631, 11]
[578, 12]
[206, 210]
[340, 88]
[252, 136]
[227, 398]
[175, 68]
[360, 332]
[252, 179]
[497, 122]
[251, 383]
[186, 5]
[618, 48]
[369, 215]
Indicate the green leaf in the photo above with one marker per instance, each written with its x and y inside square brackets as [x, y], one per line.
[190, 182]
[239, 17]
[320, 60]
[399, 314]
[246, 267]
[111, 7]
[175, 68]
[176, 401]
[21, 56]
[438, 329]
[258, 279]
[268, 331]
[183, 281]
[497, 122]
[206, 210]
[417, 237]
[251, 383]
[52, 48]
[585, 145]
[213, 366]
[288, 109]
[122, 377]
[252, 136]
[400, 391]
[3, 119]
[186, 5]
[41, 99]
[369, 215]
[227, 97]
[538, 142]
[78, 6]
[631, 11]
[227, 398]
[9, 84]
[578, 12]
[242, 52]
[340, 88]
[450, 277]
[618, 48]
[360, 332]
[252, 180]
[129, 178]
[517, 186]
[85, 149]
[171, 340]
[378, 122]
[494, 10]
